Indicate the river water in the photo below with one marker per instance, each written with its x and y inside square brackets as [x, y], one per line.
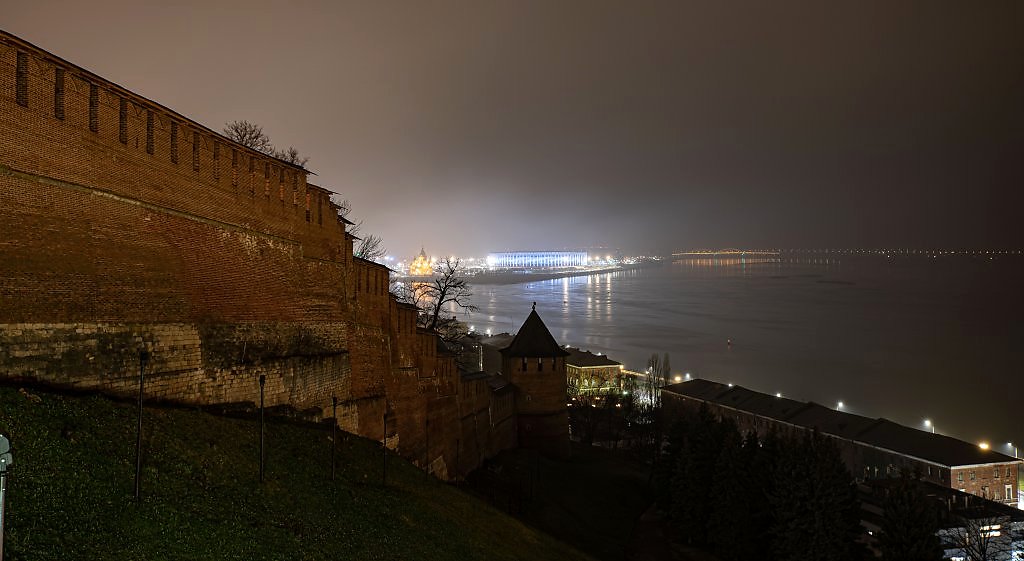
[905, 338]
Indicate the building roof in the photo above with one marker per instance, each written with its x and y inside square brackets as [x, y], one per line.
[830, 421]
[494, 381]
[939, 448]
[881, 433]
[499, 341]
[533, 340]
[585, 359]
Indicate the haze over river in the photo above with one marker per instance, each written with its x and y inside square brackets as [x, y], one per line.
[906, 338]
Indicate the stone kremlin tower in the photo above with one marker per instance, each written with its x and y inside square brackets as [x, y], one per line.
[535, 366]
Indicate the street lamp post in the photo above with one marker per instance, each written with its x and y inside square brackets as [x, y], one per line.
[143, 359]
[928, 424]
[263, 381]
[6, 461]
[334, 436]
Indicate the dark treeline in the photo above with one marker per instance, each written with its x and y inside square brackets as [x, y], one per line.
[777, 498]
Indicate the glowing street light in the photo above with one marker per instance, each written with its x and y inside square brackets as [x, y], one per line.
[678, 378]
[1011, 445]
[687, 375]
[928, 425]
[778, 394]
[839, 406]
[983, 445]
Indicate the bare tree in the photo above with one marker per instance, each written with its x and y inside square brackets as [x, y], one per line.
[291, 155]
[981, 539]
[448, 290]
[249, 134]
[439, 300]
[371, 246]
[252, 135]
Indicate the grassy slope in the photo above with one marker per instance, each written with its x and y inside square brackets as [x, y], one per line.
[70, 495]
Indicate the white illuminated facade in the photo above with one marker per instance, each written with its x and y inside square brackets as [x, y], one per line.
[536, 259]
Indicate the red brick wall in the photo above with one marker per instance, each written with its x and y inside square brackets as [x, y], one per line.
[224, 263]
[987, 481]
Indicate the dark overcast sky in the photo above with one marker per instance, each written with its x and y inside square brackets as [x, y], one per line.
[475, 126]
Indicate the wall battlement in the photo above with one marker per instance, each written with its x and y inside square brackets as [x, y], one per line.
[140, 149]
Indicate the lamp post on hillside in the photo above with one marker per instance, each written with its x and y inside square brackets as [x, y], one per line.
[1012, 445]
[143, 359]
[6, 460]
[928, 425]
[334, 436]
[263, 381]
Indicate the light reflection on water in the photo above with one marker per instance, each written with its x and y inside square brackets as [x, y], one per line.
[905, 339]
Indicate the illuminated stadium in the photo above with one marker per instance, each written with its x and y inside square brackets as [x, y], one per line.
[537, 259]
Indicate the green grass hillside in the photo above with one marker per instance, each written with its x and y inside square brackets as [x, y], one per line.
[70, 493]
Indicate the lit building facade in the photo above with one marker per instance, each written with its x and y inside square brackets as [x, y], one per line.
[421, 266]
[536, 259]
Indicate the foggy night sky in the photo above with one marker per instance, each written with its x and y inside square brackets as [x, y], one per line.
[469, 127]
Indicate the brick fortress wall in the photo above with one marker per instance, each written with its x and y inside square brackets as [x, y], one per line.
[126, 226]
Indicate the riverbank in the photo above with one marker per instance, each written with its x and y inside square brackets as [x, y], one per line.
[520, 277]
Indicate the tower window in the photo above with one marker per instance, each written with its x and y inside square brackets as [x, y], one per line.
[174, 142]
[540, 365]
[122, 121]
[149, 132]
[21, 79]
[216, 160]
[94, 108]
[195, 151]
[58, 94]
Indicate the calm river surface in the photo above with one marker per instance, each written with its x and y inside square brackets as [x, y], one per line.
[902, 338]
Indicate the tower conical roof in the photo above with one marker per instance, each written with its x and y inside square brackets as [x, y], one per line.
[533, 340]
